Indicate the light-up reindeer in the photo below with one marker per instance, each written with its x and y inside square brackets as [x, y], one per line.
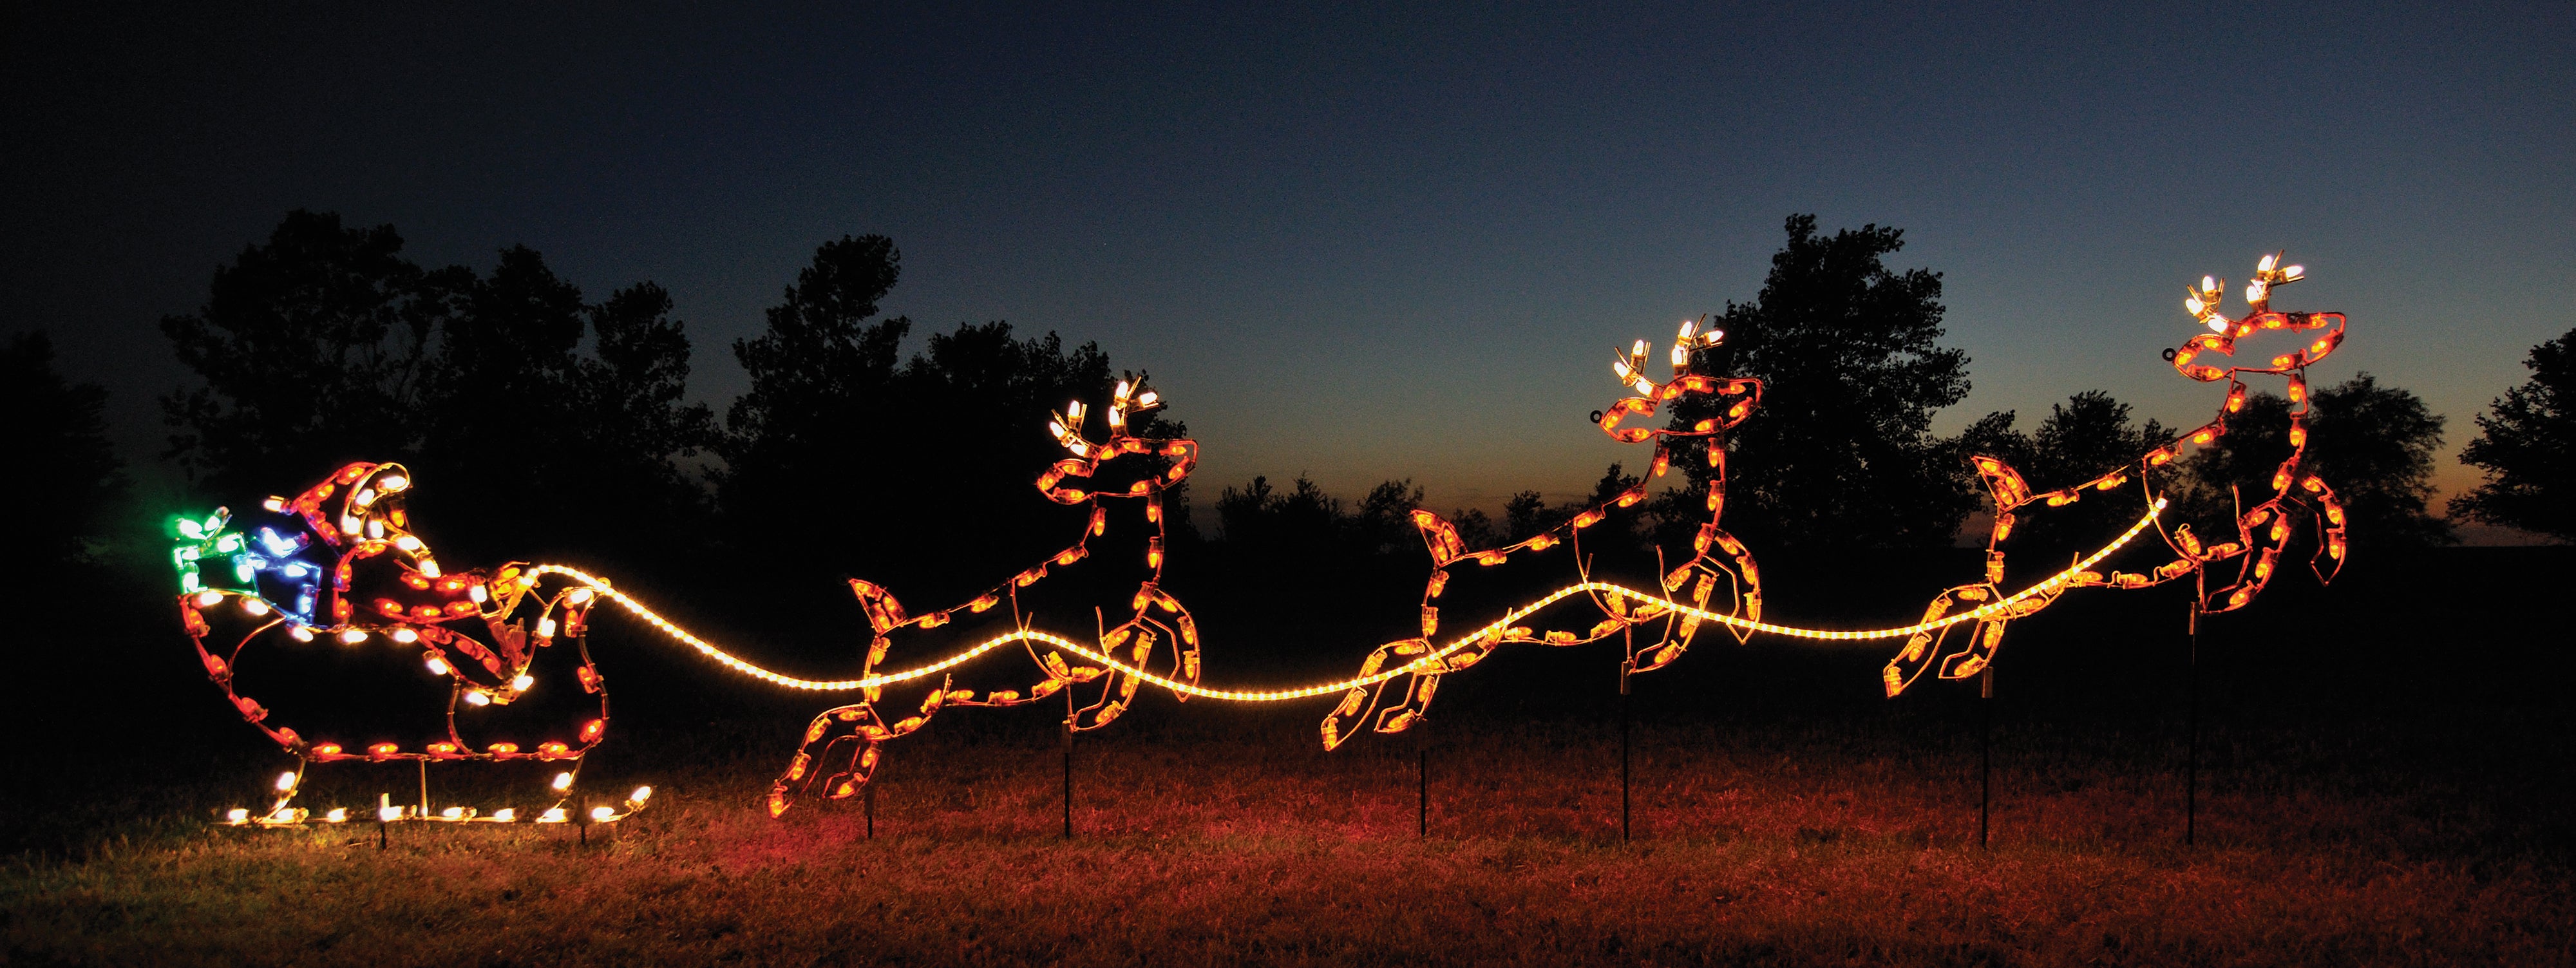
[1395, 704]
[843, 746]
[338, 569]
[2262, 531]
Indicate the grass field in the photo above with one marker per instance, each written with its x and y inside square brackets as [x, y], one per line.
[2373, 792]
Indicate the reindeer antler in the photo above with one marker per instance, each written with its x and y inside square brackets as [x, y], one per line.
[1631, 369]
[1130, 397]
[2202, 303]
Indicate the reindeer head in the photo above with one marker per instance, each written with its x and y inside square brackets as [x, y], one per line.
[1630, 369]
[1129, 400]
[2203, 304]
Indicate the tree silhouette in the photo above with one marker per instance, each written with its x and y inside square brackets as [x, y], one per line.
[2527, 446]
[311, 347]
[325, 346]
[2373, 444]
[839, 461]
[68, 477]
[1841, 454]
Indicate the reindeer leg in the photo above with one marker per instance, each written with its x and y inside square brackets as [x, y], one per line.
[1137, 639]
[1924, 647]
[857, 730]
[835, 728]
[1363, 704]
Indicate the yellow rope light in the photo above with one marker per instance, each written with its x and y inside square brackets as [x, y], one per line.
[739, 664]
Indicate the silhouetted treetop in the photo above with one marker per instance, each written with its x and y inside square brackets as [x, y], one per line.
[69, 479]
[310, 347]
[2526, 444]
[1841, 453]
[820, 359]
[324, 346]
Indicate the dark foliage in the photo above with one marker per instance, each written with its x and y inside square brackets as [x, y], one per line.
[2527, 446]
[1841, 454]
[2373, 444]
[840, 462]
[326, 346]
[68, 479]
[311, 348]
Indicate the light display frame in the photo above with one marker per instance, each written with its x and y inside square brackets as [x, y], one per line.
[339, 563]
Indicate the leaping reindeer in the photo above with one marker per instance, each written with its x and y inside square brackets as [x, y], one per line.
[1389, 708]
[2262, 532]
[842, 746]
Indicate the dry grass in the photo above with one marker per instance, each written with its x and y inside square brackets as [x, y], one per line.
[1830, 846]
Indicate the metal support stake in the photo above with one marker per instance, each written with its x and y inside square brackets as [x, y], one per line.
[1068, 780]
[383, 800]
[1422, 785]
[870, 808]
[1985, 754]
[2191, 719]
[1624, 669]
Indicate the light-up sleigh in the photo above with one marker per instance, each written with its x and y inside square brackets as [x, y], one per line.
[332, 628]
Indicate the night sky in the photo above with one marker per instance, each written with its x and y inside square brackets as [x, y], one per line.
[1356, 244]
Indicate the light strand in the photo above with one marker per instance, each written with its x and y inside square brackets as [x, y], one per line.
[737, 663]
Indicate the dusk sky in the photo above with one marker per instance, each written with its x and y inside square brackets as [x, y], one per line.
[1357, 244]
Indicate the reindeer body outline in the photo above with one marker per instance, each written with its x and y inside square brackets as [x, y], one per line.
[843, 746]
[1387, 707]
[2262, 532]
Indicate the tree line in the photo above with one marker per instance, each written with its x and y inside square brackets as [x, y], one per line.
[548, 423]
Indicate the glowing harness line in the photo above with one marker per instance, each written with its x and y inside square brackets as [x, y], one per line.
[1303, 692]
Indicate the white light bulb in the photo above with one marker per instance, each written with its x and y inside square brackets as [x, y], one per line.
[563, 781]
[406, 636]
[254, 606]
[477, 697]
[285, 782]
[602, 814]
[353, 637]
[522, 682]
